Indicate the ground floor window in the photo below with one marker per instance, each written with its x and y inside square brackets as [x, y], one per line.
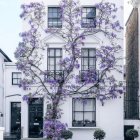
[84, 112]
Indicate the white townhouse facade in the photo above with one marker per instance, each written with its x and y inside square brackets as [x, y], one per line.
[26, 120]
[3, 59]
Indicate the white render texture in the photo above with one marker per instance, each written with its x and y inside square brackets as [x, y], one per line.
[1, 133]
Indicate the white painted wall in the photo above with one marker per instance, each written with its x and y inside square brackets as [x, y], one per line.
[1, 133]
[12, 93]
[1, 88]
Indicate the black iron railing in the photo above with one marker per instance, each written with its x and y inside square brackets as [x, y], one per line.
[89, 75]
[131, 109]
[55, 75]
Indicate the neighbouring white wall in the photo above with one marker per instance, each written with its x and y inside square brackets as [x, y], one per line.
[12, 93]
[1, 89]
[1, 133]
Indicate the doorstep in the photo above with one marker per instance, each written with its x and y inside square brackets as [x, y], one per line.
[33, 138]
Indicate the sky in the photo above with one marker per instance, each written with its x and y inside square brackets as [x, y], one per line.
[10, 24]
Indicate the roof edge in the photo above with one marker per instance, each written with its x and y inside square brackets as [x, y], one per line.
[8, 59]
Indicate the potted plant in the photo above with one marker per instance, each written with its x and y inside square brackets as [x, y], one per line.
[66, 134]
[78, 123]
[99, 134]
[132, 133]
[90, 123]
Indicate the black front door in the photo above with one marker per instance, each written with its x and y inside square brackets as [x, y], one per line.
[16, 119]
[127, 127]
[36, 118]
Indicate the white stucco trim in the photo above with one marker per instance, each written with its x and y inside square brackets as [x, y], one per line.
[86, 128]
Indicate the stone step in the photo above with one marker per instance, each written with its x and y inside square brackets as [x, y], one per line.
[33, 139]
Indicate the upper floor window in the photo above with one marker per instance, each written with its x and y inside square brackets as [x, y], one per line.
[54, 17]
[88, 65]
[88, 17]
[84, 112]
[88, 59]
[54, 57]
[16, 77]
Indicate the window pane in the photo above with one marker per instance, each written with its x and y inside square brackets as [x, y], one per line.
[54, 15]
[88, 9]
[50, 9]
[16, 104]
[50, 15]
[51, 52]
[19, 75]
[85, 61]
[92, 62]
[92, 53]
[84, 52]
[51, 60]
[58, 67]
[55, 9]
[15, 75]
[88, 105]
[84, 21]
[18, 81]
[51, 67]
[78, 105]
[54, 22]
[79, 116]
[85, 67]
[58, 52]
[15, 81]
[88, 116]
[57, 61]
[88, 21]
